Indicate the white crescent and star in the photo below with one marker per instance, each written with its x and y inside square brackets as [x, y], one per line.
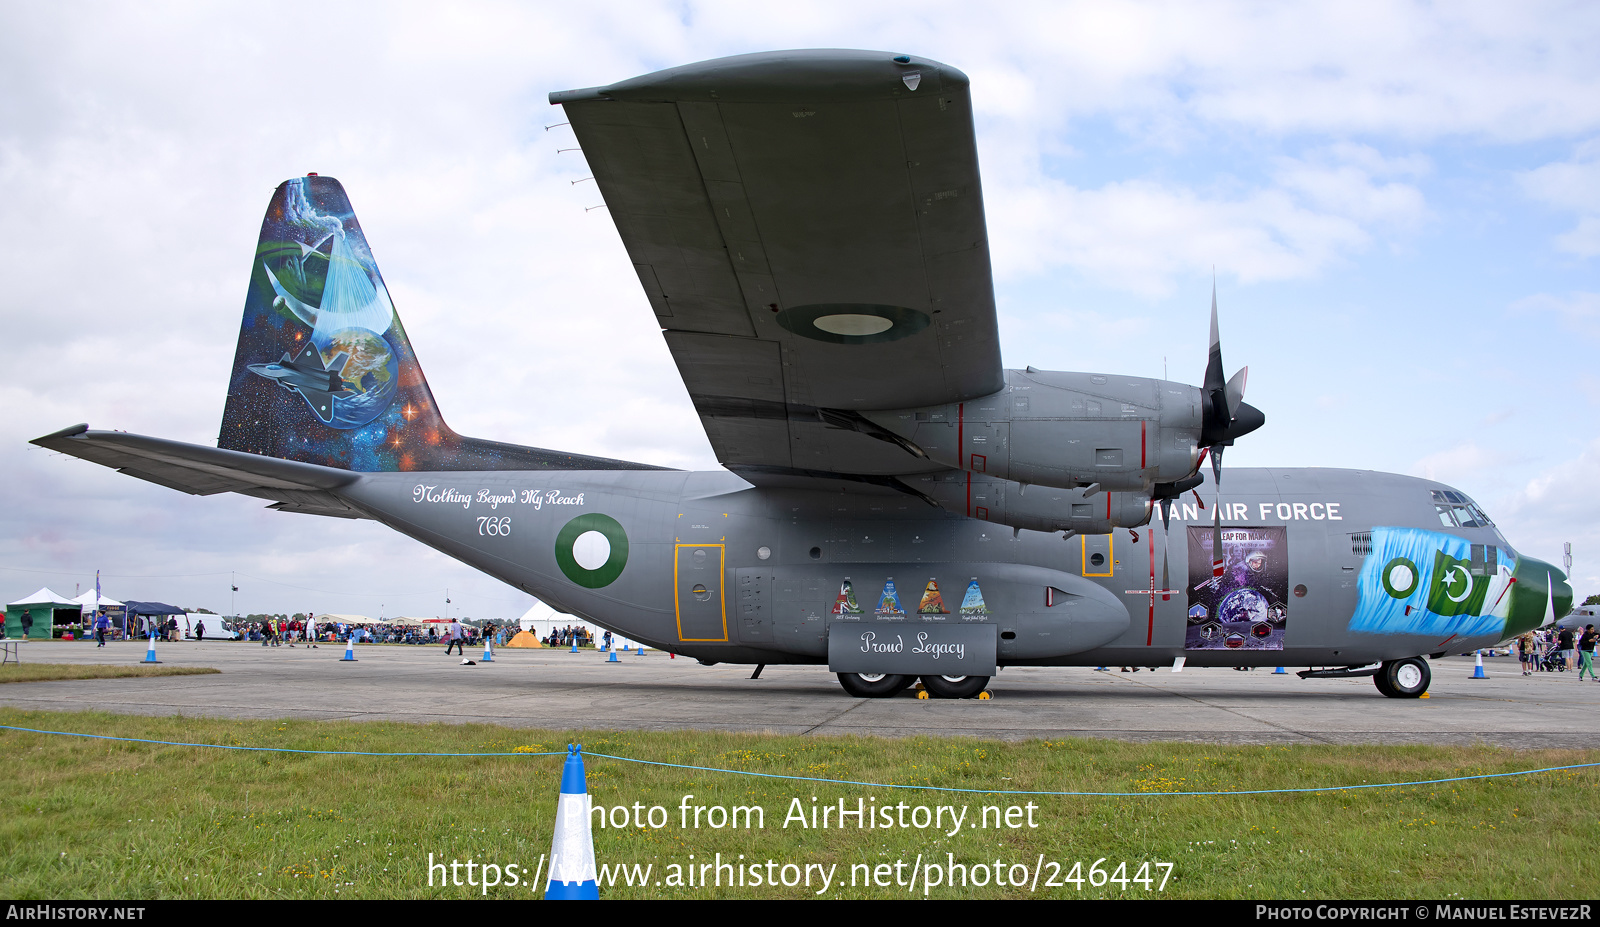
[1449, 583]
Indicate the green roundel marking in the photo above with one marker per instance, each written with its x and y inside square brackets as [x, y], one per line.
[1399, 577]
[578, 559]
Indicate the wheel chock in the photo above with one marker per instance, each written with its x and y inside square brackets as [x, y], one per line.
[921, 692]
[984, 695]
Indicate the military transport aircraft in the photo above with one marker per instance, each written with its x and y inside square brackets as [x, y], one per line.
[808, 228]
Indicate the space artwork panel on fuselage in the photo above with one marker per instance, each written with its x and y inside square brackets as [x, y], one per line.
[1246, 607]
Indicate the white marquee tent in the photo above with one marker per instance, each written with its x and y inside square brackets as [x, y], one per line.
[541, 619]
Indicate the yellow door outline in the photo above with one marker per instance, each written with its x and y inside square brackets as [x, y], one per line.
[1111, 551]
[677, 609]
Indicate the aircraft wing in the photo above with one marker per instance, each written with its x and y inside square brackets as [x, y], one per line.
[809, 229]
[204, 471]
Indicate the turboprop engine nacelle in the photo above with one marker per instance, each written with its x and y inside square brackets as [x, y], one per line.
[1066, 430]
[1036, 508]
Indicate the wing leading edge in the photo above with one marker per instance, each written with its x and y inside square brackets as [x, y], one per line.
[808, 227]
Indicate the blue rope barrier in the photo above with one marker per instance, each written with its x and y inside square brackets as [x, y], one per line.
[875, 785]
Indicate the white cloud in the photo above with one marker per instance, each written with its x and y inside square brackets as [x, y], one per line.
[1579, 312]
[1559, 505]
[1572, 186]
[1138, 234]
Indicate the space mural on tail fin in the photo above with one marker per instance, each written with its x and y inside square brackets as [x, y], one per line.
[316, 294]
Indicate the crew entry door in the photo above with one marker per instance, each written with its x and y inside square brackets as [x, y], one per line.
[697, 576]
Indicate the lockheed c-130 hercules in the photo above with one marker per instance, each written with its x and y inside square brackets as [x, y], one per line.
[808, 229]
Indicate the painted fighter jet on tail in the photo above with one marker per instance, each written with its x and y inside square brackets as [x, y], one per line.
[315, 381]
[808, 229]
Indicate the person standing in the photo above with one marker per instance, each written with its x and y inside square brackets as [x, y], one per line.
[1586, 653]
[1564, 647]
[200, 631]
[101, 625]
[27, 623]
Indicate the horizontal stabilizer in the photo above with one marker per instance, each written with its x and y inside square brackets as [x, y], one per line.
[204, 471]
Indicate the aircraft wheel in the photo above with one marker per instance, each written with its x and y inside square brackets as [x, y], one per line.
[873, 685]
[954, 686]
[1380, 679]
[1406, 678]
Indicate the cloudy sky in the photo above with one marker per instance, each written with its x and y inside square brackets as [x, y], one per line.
[1401, 203]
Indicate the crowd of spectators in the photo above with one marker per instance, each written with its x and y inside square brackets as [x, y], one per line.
[563, 637]
[1558, 650]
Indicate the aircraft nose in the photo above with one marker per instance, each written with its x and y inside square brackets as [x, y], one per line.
[1561, 594]
[1540, 596]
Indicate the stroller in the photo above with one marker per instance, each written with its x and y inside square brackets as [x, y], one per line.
[1551, 660]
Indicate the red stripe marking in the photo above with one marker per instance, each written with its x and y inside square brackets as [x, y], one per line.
[1150, 629]
[1142, 426]
[969, 494]
[961, 434]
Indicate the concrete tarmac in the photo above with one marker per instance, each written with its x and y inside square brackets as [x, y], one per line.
[555, 689]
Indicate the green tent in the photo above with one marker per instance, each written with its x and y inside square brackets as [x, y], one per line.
[47, 609]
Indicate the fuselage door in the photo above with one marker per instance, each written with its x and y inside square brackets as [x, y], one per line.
[1096, 553]
[697, 577]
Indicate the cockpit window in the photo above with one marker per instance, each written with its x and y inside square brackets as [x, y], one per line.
[1457, 511]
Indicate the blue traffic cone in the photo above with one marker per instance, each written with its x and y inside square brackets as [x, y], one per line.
[624, 648]
[349, 650]
[150, 655]
[572, 874]
[613, 658]
[574, 646]
[1280, 671]
[488, 653]
[1477, 671]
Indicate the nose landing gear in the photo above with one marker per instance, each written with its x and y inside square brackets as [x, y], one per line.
[1406, 678]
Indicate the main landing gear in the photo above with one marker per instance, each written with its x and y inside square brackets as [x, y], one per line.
[954, 686]
[884, 685]
[1406, 678]
[874, 685]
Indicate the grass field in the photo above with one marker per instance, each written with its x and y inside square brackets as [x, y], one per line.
[102, 819]
[50, 672]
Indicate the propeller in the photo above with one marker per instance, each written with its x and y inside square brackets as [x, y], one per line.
[1225, 414]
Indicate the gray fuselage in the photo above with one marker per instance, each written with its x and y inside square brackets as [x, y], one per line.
[715, 568]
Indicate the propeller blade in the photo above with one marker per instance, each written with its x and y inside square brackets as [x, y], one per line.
[1235, 392]
[1216, 466]
[1214, 375]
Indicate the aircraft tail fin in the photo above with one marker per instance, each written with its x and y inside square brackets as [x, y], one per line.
[354, 397]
